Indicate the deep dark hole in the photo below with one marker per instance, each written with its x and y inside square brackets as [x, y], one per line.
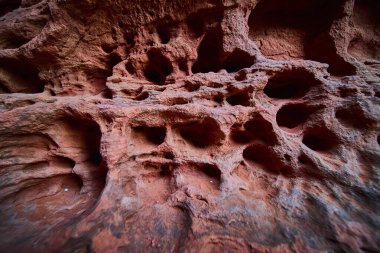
[158, 67]
[257, 154]
[317, 143]
[164, 36]
[241, 76]
[238, 60]
[322, 49]
[129, 67]
[320, 139]
[212, 171]
[201, 133]
[261, 129]
[218, 99]
[66, 161]
[107, 93]
[200, 20]
[154, 135]
[284, 89]
[166, 31]
[92, 139]
[290, 84]
[130, 38]
[4, 89]
[242, 98]
[209, 52]
[196, 24]
[293, 115]
[25, 71]
[183, 66]
[241, 137]
[165, 170]
[189, 86]
[96, 158]
[114, 58]
[303, 159]
[8, 6]
[107, 48]
[169, 155]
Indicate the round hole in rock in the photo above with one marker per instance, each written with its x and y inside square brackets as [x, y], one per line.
[293, 115]
[20, 77]
[199, 21]
[241, 137]
[107, 93]
[209, 52]
[264, 157]
[320, 139]
[166, 31]
[169, 155]
[261, 129]
[238, 60]
[158, 67]
[354, 116]
[201, 134]
[164, 34]
[183, 66]
[290, 84]
[189, 86]
[218, 99]
[241, 76]
[114, 58]
[107, 48]
[152, 135]
[130, 68]
[213, 172]
[242, 98]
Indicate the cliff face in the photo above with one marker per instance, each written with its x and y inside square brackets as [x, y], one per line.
[189, 126]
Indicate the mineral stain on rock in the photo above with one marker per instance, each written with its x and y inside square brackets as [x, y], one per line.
[189, 126]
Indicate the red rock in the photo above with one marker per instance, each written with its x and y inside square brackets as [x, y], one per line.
[179, 126]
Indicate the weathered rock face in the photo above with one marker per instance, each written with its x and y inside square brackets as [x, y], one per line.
[189, 126]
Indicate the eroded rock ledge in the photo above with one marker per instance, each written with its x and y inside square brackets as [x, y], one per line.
[189, 126]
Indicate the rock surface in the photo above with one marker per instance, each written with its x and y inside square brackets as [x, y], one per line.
[189, 126]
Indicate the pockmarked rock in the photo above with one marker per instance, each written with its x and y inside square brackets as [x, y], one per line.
[189, 126]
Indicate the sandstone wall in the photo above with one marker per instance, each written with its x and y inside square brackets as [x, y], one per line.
[189, 126]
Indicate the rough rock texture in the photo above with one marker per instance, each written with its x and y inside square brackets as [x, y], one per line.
[189, 126]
